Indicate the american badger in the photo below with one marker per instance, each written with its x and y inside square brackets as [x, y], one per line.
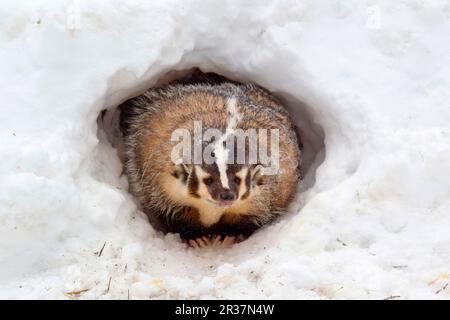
[190, 170]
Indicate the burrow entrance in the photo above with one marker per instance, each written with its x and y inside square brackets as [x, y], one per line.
[311, 133]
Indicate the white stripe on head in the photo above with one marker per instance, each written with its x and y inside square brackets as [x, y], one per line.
[231, 106]
[220, 151]
[222, 166]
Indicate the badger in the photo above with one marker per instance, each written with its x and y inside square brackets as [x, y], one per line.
[220, 187]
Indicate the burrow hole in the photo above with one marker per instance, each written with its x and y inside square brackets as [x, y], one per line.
[311, 133]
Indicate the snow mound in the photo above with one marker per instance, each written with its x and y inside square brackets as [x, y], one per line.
[369, 83]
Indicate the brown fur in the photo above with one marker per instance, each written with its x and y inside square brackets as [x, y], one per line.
[148, 122]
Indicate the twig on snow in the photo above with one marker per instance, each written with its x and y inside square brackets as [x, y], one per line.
[442, 289]
[109, 285]
[76, 294]
[99, 253]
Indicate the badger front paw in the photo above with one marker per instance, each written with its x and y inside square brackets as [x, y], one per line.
[214, 241]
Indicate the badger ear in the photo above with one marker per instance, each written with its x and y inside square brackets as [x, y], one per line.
[257, 175]
[186, 167]
[182, 171]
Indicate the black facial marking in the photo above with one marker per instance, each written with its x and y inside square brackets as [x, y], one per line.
[180, 173]
[208, 181]
[193, 184]
[247, 184]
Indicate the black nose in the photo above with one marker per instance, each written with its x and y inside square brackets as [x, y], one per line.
[226, 195]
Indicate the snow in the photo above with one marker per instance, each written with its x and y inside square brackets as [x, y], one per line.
[367, 81]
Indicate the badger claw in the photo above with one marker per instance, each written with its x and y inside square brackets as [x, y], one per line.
[228, 241]
[215, 241]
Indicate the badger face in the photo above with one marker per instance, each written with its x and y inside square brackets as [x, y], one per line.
[220, 190]
[208, 184]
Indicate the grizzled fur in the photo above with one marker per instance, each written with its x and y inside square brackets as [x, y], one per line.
[147, 122]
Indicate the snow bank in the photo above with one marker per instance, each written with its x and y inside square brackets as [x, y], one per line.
[371, 77]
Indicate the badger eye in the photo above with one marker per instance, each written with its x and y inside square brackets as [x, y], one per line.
[237, 180]
[208, 181]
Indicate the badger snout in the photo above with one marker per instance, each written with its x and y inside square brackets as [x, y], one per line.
[226, 197]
